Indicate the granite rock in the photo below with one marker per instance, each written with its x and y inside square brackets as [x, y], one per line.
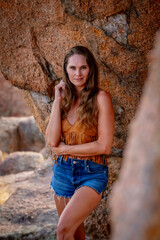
[135, 197]
[21, 161]
[12, 103]
[20, 134]
[35, 37]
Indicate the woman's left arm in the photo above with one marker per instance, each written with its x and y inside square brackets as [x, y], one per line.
[105, 132]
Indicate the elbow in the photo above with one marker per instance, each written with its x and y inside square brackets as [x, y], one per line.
[106, 149]
[50, 142]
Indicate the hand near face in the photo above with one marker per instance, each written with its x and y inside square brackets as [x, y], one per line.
[59, 90]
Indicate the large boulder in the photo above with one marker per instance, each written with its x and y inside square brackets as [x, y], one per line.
[35, 37]
[20, 134]
[135, 199]
[30, 138]
[12, 103]
[9, 139]
[21, 161]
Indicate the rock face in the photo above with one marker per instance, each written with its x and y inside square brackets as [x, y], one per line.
[35, 36]
[135, 200]
[20, 134]
[21, 161]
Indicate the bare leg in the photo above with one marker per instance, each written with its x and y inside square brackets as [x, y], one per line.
[61, 203]
[80, 232]
[82, 203]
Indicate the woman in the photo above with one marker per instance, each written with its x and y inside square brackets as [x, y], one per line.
[80, 132]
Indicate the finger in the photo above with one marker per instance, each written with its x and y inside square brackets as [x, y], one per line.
[62, 81]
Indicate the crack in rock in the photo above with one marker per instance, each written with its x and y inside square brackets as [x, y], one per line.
[46, 66]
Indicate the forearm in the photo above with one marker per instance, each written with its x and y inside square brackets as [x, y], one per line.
[53, 130]
[86, 149]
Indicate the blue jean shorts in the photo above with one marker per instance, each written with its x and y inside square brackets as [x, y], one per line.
[70, 175]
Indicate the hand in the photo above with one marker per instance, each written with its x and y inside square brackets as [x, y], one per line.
[59, 90]
[60, 150]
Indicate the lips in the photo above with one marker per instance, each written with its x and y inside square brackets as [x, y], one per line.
[78, 79]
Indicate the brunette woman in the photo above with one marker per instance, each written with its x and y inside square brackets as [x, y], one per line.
[80, 132]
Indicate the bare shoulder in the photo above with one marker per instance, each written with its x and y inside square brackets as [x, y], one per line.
[105, 106]
[104, 97]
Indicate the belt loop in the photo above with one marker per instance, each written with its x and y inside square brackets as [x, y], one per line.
[71, 160]
[60, 159]
[86, 164]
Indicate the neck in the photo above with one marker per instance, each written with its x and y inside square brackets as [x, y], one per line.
[78, 91]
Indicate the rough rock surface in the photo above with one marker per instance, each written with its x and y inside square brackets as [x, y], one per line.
[30, 138]
[12, 103]
[9, 139]
[29, 210]
[21, 161]
[135, 200]
[20, 134]
[35, 36]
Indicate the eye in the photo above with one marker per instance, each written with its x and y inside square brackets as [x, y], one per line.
[83, 67]
[72, 67]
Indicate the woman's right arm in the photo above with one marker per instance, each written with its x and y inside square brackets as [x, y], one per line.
[53, 130]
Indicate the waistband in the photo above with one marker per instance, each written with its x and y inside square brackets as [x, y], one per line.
[72, 160]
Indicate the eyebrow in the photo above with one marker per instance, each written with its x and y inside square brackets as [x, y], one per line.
[80, 66]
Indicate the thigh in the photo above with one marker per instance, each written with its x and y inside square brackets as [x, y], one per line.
[61, 203]
[82, 203]
[94, 176]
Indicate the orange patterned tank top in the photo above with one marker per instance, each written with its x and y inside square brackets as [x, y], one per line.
[74, 134]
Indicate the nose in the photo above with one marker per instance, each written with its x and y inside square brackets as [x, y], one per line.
[78, 72]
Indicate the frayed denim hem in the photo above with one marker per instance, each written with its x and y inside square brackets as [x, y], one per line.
[58, 196]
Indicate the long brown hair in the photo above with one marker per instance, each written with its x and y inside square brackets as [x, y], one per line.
[87, 110]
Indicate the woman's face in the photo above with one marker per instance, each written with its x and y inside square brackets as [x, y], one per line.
[78, 70]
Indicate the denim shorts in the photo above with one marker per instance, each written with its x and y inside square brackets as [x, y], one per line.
[70, 175]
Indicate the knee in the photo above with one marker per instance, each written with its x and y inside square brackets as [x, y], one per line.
[64, 231]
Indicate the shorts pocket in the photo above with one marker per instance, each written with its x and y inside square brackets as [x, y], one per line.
[97, 168]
